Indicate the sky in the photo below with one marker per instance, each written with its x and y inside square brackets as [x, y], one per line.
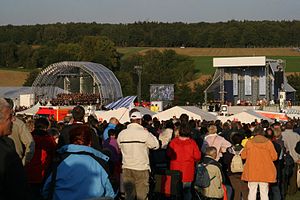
[23, 12]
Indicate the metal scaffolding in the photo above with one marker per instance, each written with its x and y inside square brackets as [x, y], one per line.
[102, 80]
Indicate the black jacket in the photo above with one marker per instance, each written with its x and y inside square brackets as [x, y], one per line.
[13, 184]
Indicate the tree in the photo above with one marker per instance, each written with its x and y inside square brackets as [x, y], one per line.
[159, 68]
[100, 50]
[24, 53]
[183, 94]
[127, 83]
[31, 77]
[294, 80]
[8, 54]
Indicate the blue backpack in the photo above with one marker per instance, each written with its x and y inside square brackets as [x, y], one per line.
[202, 179]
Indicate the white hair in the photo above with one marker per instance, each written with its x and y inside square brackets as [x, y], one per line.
[3, 104]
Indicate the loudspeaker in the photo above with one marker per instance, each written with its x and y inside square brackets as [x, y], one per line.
[278, 79]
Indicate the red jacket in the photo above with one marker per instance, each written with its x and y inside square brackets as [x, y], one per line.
[183, 154]
[45, 147]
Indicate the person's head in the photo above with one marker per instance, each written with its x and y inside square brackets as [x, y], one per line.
[41, 124]
[114, 121]
[192, 123]
[54, 133]
[211, 152]
[276, 125]
[135, 117]
[157, 124]
[112, 133]
[212, 129]
[236, 138]
[277, 131]
[6, 118]
[81, 135]
[169, 124]
[184, 118]
[147, 119]
[226, 126]
[265, 124]
[289, 125]
[78, 113]
[258, 130]
[184, 130]
[269, 133]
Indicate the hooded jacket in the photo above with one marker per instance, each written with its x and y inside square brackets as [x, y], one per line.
[45, 147]
[259, 153]
[80, 176]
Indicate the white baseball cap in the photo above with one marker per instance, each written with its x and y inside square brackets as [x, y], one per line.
[136, 115]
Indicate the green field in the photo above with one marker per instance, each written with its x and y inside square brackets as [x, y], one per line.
[204, 64]
[130, 50]
[292, 62]
[203, 57]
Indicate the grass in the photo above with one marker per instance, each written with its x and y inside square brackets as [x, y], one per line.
[20, 69]
[292, 62]
[203, 57]
[127, 51]
[12, 78]
[204, 64]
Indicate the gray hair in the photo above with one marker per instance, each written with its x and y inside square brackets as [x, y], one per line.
[3, 105]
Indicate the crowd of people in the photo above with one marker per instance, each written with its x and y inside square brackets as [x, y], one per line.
[75, 99]
[45, 159]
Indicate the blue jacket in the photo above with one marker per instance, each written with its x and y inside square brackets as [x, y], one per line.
[80, 176]
[105, 133]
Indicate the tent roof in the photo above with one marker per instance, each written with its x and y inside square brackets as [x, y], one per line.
[122, 114]
[123, 102]
[30, 111]
[192, 111]
[247, 116]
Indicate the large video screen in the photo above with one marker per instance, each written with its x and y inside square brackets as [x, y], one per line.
[161, 92]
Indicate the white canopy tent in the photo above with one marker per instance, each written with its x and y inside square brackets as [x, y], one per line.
[30, 111]
[247, 116]
[122, 114]
[192, 111]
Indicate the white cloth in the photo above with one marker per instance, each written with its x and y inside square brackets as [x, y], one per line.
[165, 137]
[263, 190]
[290, 139]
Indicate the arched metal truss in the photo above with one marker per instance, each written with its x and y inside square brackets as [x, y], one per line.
[105, 82]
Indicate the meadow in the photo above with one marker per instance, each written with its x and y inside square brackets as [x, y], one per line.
[9, 78]
[203, 57]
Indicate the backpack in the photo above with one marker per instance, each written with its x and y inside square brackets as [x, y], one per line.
[202, 178]
[288, 165]
[237, 163]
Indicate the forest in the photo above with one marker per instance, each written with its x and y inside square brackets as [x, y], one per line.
[156, 34]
